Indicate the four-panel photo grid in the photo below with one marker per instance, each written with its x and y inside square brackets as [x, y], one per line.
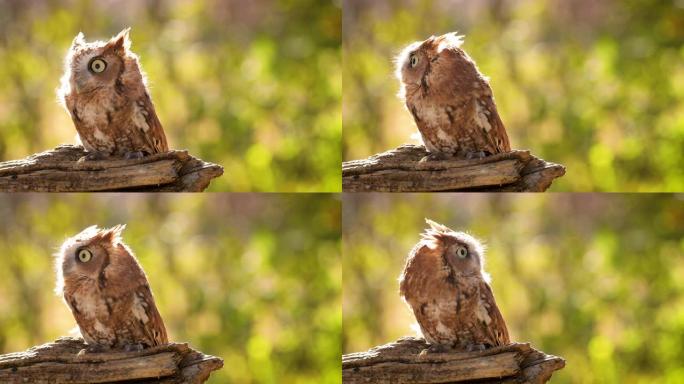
[341, 191]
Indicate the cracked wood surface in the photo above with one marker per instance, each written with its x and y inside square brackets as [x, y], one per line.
[58, 170]
[401, 170]
[61, 362]
[402, 362]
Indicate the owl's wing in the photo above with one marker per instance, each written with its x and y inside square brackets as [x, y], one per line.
[496, 136]
[154, 329]
[496, 330]
[466, 295]
[154, 135]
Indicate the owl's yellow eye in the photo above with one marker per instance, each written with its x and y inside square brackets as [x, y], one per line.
[84, 255]
[414, 60]
[462, 252]
[98, 65]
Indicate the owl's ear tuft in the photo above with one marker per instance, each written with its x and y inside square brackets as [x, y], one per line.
[121, 42]
[450, 40]
[436, 233]
[113, 234]
[429, 42]
[79, 40]
[88, 232]
[437, 227]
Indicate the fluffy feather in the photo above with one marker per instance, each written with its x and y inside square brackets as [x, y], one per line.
[450, 100]
[450, 294]
[107, 291]
[110, 105]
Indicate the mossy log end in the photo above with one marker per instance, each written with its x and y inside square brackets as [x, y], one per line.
[401, 170]
[59, 170]
[404, 362]
[63, 362]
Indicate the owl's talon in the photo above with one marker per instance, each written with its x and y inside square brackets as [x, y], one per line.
[134, 155]
[95, 348]
[435, 348]
[476, 155]
[476, 347]
[436, 156]
[93, 156]
[133, 347]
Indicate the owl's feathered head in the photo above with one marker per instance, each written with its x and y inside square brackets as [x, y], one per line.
[83, 254]
[459, 250]
[89, 66]
[413, 63]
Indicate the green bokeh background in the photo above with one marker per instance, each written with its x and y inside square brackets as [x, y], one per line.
[253, 279]
[597, 86]
[594, 278]
[254, 86]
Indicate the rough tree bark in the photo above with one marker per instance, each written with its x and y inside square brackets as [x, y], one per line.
[61, 362]
[59, 170]
[401, 170]
[402, 362]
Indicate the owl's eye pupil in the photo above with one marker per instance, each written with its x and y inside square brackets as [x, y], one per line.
[414, 60]
[98, 65]
[84, 255]
[462, 252]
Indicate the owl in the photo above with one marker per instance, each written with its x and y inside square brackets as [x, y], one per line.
[450, 100]
[107, 291]
[105, 92]
[446, 287]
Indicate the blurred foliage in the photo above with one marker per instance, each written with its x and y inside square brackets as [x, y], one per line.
[594, 278]
[252, 85]
[254, 279]
[595, 85]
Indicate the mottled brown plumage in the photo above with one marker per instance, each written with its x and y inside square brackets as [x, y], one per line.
[107, 291]
[450, 100]
[105, 92]
[445, 286]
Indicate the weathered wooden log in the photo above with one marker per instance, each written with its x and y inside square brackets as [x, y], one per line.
[64, 361]
[401, 170]
[59, 170]
[407, 361]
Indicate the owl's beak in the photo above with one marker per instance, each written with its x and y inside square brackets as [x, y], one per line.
[80, 84]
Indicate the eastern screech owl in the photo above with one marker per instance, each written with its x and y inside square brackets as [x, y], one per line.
[105, 92]
[450, 100]
[445, 285]
[107, 291]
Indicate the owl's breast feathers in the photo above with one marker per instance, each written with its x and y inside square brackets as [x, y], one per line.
[91, 311]
[427, 287]
[454, 107]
